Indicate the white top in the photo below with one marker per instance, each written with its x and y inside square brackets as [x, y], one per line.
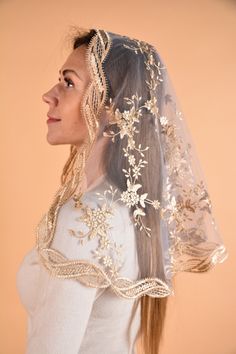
[67, 317]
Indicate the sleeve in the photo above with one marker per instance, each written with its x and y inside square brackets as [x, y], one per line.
[61, 319]
[65, 304]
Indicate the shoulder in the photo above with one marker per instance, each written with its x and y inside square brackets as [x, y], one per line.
[100, 230]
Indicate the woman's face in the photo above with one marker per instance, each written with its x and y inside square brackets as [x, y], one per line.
[64, 101]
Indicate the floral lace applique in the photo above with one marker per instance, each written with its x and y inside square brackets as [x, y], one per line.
[108, 252]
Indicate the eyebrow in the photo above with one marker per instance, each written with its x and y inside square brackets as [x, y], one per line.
[65, 71]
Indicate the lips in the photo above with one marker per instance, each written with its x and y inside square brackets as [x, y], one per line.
[53, 119]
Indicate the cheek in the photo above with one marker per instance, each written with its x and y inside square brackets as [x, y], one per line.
[74, 119]
[74, 127]
[71, 109]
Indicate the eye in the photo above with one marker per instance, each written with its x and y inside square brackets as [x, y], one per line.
[68, 82]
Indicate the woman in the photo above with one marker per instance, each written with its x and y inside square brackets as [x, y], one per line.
[132, 209]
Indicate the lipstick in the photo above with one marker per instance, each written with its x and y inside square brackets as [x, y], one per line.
[52, 120]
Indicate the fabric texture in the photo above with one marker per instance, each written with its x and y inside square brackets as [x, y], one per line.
[67, 317]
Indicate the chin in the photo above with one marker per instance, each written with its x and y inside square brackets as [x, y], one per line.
[54, 141]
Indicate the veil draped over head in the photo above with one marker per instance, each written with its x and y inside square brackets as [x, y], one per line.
[172, 217]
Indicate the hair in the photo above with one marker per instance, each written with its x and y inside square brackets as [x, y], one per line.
[126, 74]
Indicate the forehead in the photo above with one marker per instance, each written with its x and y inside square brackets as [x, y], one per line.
[77, 61]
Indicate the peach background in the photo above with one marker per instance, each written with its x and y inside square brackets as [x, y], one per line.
[197, 41]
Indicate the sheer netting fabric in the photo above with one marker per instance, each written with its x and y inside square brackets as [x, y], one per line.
[156, 198]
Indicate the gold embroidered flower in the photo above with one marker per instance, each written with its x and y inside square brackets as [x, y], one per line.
[130, 197]
[96, 220]
[113, 270]
[126, 122]
[131, 160]
[151, 105]
[104, 242]
[156, 204]
[107, 261]
[163, 120]
[136, 171]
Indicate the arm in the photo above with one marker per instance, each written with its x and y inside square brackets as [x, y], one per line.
[62, 317]
[63, 305]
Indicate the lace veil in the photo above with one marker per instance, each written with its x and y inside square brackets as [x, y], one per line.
[173, 215]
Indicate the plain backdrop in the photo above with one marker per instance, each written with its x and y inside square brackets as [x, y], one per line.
[197, 40]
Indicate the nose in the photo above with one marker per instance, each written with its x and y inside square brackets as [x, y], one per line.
[50, 97]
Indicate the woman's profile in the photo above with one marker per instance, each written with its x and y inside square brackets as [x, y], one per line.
[132, 210]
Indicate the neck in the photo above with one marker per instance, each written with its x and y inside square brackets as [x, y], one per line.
[94, 167]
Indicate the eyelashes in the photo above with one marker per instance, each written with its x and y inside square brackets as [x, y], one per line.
[68, 82]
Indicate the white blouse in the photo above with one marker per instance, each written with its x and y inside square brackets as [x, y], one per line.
[67, 317]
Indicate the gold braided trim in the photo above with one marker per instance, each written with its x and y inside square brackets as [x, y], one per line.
[94, 276]
[96, 93]
[90, 274]
[46, 228]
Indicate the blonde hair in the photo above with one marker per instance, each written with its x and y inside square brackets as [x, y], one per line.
[121, 69]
